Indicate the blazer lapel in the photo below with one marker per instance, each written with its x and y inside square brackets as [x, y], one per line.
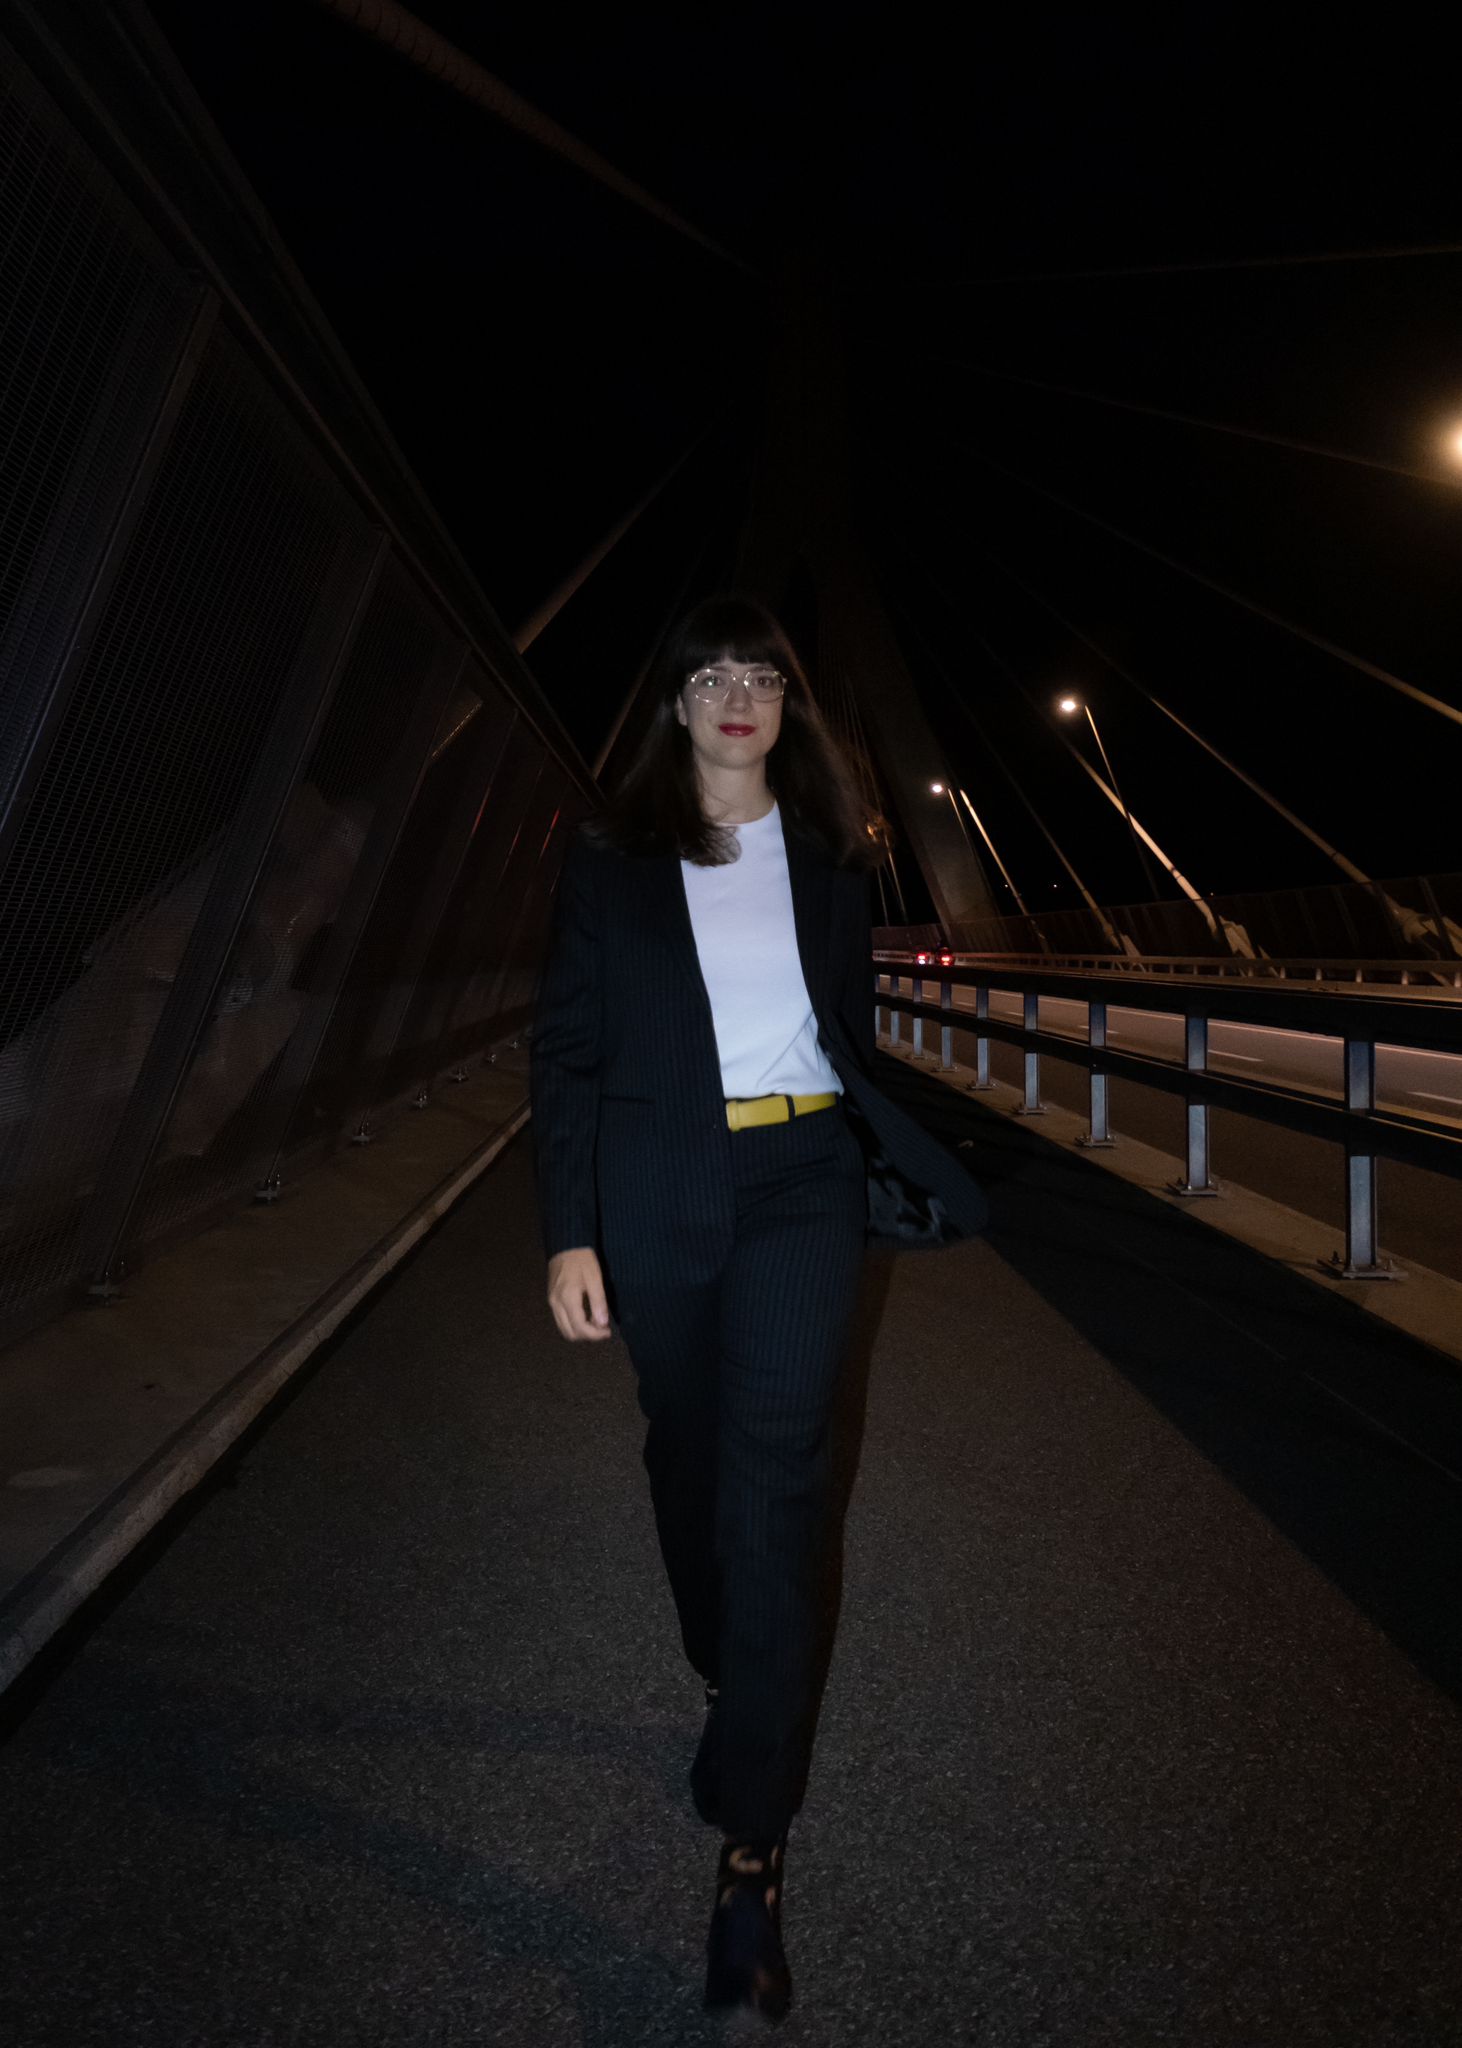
[809, 875]
[670, 914]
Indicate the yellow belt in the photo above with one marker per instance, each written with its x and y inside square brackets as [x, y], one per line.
[743, 1110]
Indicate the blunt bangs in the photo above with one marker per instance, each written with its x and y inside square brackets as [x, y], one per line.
[730, 629]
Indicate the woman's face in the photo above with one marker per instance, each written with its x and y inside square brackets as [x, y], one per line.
[736, 730]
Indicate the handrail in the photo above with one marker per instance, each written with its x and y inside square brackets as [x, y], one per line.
[1432, 1023]
[1228, 966]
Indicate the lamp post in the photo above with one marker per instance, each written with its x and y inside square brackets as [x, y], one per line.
[1068, 706]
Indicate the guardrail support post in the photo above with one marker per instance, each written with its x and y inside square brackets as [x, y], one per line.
[1198, 1180]
[1362, 1259]
[982, 1081]
[1096, 1037]
[893, 1015]
[946, 1031]
[1030, 1017]
[918, 1021]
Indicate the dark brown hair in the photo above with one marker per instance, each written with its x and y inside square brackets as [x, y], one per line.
[656, 806]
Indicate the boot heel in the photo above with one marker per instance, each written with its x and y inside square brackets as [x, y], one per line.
[746, 1966]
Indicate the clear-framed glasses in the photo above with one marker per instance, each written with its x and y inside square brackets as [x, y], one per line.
[713, 686]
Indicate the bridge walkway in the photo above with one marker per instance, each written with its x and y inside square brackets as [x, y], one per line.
[1140, 1726]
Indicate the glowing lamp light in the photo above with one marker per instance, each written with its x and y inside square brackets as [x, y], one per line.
[937, 788]
[1069, 704]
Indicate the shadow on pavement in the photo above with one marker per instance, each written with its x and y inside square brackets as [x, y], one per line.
[1347, 1435]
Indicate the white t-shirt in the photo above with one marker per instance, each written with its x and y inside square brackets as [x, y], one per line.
[746, 936]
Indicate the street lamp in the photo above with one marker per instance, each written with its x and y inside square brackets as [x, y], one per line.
[1069, 706]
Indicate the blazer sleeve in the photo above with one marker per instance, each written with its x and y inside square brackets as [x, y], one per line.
[565, 1056]
[857, 989]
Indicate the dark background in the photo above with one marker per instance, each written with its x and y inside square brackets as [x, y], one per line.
[543, 351]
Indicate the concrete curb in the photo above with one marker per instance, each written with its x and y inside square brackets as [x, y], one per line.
[73, 1570]
[1426, 1306]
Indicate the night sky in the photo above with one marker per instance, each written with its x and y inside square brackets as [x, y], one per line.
[542, 352]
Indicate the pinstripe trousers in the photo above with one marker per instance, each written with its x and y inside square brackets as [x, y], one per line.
[736, 1375]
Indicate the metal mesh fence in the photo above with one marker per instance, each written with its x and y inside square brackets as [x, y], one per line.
[482, 883]
[271, 842]
[242, 543]
[489, 962]
[462, 789]
[92, 318]
[225, 1124]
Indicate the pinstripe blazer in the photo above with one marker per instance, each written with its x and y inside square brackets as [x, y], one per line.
[630, 1135]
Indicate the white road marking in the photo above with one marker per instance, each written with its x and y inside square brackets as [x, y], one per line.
[1422, 1096]
[1251, 1059]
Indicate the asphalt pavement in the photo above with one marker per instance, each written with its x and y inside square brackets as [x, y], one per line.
[1141, 1725]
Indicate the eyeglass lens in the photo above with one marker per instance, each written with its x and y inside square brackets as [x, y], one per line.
[763, 682]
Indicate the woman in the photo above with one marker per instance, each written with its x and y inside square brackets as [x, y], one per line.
[708, 1142]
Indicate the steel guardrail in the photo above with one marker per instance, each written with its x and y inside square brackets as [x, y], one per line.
[1429, 1021]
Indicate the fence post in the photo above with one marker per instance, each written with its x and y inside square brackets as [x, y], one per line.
[1198, 1180]
[893, 1014]
[946, 1031]
[918, 1021]
[1362, 1259]
[982, 1081]
[1030, 1017]
[1099, 1136]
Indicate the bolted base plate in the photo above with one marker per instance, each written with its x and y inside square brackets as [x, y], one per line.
[1339, 1268]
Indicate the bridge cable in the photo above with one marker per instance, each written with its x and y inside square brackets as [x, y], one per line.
[1347, 867]
[1183, 419]
[832, 671]
[1403, 252]
[1408, 924]
[391, 25]
[1316, 640]
[554, 603]
[937, 668]
[1218, 928]
[607, 744]
[1194, 895]
[1005, 875]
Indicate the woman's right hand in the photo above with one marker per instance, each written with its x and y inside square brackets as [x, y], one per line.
[576, 1293]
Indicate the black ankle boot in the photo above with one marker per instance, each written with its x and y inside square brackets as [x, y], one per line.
[746, 1967]
[705, 1772]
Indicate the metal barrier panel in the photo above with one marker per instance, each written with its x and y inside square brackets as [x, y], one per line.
[267, 828]
[511, 1000]
[455, 951]
[1416, 918]
[242, 1081]
[246, 558]
[490, 935]
[328, 1108]
[465, 783]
